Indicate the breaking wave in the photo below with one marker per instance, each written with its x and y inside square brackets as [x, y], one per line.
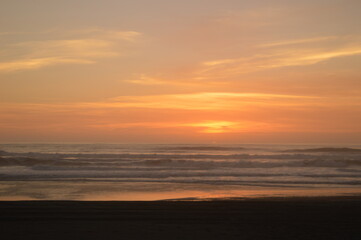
[189, 164]
[186, 161]
[327, 150]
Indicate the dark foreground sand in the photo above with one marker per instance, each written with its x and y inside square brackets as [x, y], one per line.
[298, 218]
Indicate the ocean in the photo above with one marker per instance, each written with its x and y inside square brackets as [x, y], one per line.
[176, 171]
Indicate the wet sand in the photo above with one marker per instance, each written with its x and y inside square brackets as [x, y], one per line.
[272, 218]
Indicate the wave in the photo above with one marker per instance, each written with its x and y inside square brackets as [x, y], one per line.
[326, 150]
[250, 164]
[155, 156]
[190, 162]
[186, 178]
[3, 153]
[26, 161]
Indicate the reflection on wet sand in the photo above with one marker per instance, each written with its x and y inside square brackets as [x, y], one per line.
[105, 191]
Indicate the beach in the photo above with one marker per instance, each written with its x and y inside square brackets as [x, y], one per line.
[267, 218]
[185, 192]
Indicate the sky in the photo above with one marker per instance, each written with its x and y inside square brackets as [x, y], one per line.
[191, 71]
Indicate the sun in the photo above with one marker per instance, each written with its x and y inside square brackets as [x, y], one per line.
[215, 126]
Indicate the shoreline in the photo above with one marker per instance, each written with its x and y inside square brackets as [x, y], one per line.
[347, 197]
[350, 197]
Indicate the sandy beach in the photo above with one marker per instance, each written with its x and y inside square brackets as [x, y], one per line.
[269, 218]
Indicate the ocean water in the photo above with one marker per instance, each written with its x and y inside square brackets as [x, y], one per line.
[156, 172]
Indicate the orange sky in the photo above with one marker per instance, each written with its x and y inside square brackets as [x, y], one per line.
[180, 72]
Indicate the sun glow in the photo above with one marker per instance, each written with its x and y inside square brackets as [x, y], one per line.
[215, 127]
[227, 126]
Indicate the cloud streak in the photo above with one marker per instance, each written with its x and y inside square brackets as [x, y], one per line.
[279, 59]
[201, 127]
[87, 47]
[282, 54]
[298, 41]
[260, 57]
[206, 100]
[35, 63]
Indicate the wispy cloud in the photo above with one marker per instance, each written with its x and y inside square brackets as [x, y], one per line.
[34, 63]
[283, 54]
[190, 81]
[205, 100]
[266, 56]
[108, 34]
[298, 41]
[218, 101]
[185, 101]
[202, 127]
[146, 80]
[85, 47]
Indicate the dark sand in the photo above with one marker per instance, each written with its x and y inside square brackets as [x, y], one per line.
[297, 218]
